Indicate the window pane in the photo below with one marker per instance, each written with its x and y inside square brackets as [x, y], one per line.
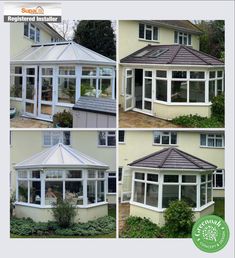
[47, 71]
[89, 71]
[129, 86]
[105, 88]
[66, 90]
[47, 84]
[139, 176]
[53, 192]
[211, 90]
[105, 71]
[203, 139]
[26, 29]
[203, 194]
[91, 174]
[176, 37]
[34, 174]
[88, 87]
[209, 192]
[196, 91]
[219, 74]
[170, 193]
[37, 35]
[22, 174]
[173, 138]
[66, 70]
[189, 195]
[119, 174]
[165, 138]
[100, 191]
[100, 174]
[30, 71]
[47, 138]
[91, 191]
[22, 191]
[141, 31]
[16, 86]
[219, 87]
[152, 177]
[66, 139]
[35, 192]
[197, 75]
[178, 91]
[209, 177]
[18, 70]
[102, 138]
[155, 33]
[148, 88]
[211, 142]
[54, 174]
[30, 91]
[203, 178]
[112, 140]
[188, 179]
[32, 32]
[212, 74]
[148, 34]
[218, 143]
[152, 195]
[171, 178]
[219, 180]
[148, 73]
[189, 40]
[73, 174]
[139, 192]
[179, 74]
[111, 185]
[161, 90]
[74, 192]
[161, 74]
[121, 136]
[157, 137]
[56, 137]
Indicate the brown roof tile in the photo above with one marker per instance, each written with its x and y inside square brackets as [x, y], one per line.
[172, 158]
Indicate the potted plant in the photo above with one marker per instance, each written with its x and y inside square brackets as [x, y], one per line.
[63, 119]
[12, 112]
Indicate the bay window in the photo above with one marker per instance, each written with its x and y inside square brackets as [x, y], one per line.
[48, 187]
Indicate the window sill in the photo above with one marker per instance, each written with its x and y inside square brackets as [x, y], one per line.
[183, 103]
[165, 145]
[16, 99]
[111, 193]
[149, 40]
[105, 146]
[211, 147]
[218, 188]
[122, 143]
[64, 104]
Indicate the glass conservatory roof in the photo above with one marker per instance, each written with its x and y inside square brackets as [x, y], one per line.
[60, 52]
[60, 156]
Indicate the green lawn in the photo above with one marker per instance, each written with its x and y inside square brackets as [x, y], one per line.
[112, 211]
[219, 207]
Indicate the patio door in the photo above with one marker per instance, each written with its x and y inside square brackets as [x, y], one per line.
[46, 92]
[129, 89]
[148, 91]
[30, 91]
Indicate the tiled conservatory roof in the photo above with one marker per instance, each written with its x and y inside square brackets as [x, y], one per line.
[100, 105]
[60, 52]
[172, 158]
[171, 54]
[60, 156]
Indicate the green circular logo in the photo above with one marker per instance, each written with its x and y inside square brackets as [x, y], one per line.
[210, 233]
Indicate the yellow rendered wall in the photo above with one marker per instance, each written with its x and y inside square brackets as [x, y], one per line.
[18, 42]
[140, 143]
[129, 42]
[27, 143]
[171, 111]
[45, 214]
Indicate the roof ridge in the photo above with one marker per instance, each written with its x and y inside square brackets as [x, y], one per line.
[174, 54]
[192, 52]
[51, 152]
[148, 156]
[167, 155]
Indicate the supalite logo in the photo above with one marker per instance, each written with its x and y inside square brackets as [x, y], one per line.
[210, 233]
[37, 10]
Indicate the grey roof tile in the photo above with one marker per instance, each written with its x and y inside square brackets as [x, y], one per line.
[172, 158]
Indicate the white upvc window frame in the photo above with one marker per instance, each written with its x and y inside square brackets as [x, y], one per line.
[36, 30]
[218, 172]
[214, 139]
[167, 85]
[120, 169]
[52, 134]
[184, 36]
[206, 190]
[13, 74]
[107, 135]
[122, 142]
[84, 179]
[215, 79]
[147, 28]
[111, 176]
[162, 134]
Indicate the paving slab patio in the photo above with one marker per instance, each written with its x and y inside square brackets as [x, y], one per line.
[22, 122]
[132, 119]
[123, 213]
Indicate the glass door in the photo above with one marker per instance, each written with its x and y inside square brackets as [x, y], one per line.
[30, 91]
[45, 96]
[129, 89]
[148, 91]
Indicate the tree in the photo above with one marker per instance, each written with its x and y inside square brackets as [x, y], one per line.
[97, 36]
[212, 39]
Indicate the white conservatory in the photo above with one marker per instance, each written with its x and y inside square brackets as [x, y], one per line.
[60, 172]
[48, 78]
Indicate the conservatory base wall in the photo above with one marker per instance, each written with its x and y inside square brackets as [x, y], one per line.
[158, 217]
[218, 193]
[171, 111]
[45, 214]
[111, 198]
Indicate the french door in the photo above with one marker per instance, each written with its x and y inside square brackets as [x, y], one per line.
[46, 92]
[129, 89]
[30, 91]
[148, 91]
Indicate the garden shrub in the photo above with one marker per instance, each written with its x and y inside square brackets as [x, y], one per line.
[178, 219]
[63, 119]
[197, 121]
[27, 227]
[217, 108]
[136, 227]
[64, 213]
